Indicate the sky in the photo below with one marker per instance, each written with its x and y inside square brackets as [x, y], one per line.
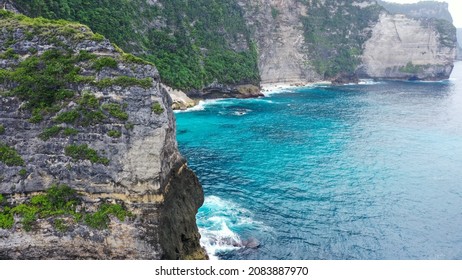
[455, 7]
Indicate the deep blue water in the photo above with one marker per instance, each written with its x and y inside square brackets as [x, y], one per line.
[369, 171]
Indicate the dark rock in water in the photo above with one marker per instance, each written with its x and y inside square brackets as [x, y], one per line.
[216, 90]
[346, 79]
[251, 243]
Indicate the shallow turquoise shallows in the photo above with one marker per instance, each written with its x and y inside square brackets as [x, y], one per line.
[371, 171]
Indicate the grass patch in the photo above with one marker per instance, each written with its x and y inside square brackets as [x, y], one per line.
[114, 133]
[69, 117]
[10, 156]
[85, 55]
[9, 54]
[22, 173]
[60, 225]
[129, 126]
[43, 81]
[157, 108]
[87, 112]
[411, 68]
[104, 62]
[50, 132]
[128, 57]
[116, 111]
[70, 131]
[83, 152]
[2, 129]
[100, 219]
[59, 201]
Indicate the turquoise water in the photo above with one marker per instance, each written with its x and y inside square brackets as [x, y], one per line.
[370, 171]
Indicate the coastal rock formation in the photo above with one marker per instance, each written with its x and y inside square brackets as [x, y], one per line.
[340, 41]
[76, 111]
[277, 28]
[180, 101]
[268, 42]
[405, 48]
[421, 9]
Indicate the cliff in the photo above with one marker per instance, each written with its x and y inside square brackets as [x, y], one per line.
[421, 49]
[422, 9]
[341, 41]
[89, 165]
[197, 45]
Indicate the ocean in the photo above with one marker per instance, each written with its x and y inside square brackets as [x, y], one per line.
[369, 171]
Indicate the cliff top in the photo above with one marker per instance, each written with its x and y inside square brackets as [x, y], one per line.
[422, 9]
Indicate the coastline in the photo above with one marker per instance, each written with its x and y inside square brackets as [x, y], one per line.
[271, 88]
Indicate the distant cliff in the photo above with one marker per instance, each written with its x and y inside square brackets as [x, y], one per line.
[406, 48]
[198, 44]
[89, 165]
[422, 9]
[341, 41]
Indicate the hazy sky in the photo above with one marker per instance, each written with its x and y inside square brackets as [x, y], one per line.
[455, 7]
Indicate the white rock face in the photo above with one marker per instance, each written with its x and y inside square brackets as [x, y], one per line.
[398, 41]
[180, 101]
[278, 31]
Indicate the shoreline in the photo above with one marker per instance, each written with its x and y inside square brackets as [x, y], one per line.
[270, 88]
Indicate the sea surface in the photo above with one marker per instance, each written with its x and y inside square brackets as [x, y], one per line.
[369, 171]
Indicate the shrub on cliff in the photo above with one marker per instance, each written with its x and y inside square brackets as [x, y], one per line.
[59, 201]
[10, 156]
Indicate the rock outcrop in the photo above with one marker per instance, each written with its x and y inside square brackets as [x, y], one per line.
[302, 42]
[217, 90]
[97, 120]
[421, 9]
[277, 28]
[406, 48]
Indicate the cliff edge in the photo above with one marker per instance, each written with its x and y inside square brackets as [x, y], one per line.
[89, 165]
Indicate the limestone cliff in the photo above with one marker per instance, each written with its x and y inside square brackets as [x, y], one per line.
[77, 111]
[309, 41]
[406, 48]
[421, 9]
[277, 28]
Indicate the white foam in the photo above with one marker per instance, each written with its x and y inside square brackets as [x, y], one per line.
[369, 82]
[242, 112]
[270, 89]
[216, 223]
[201, 105]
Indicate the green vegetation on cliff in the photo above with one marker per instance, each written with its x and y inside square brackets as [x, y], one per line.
[10, 156]
[335, 33]
[83, 152]
[59, 201]
[192, 43]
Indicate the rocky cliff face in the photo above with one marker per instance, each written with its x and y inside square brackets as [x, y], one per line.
[422, 9]
[309, 41]
[277, 28]
[194, 44]
[406, 48]
[77, 111]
